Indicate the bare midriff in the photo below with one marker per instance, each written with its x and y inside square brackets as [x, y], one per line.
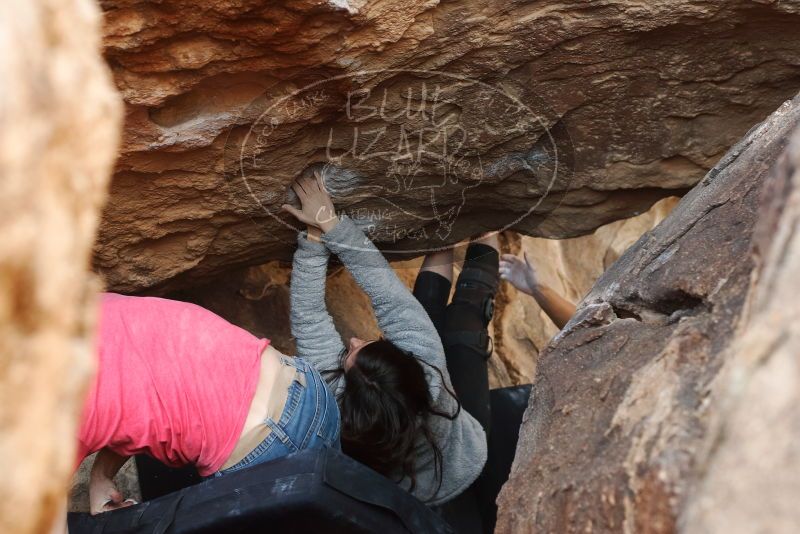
[268, 402]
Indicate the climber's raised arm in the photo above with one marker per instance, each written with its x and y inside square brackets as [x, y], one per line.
[399, 413]
[522, 275]
[400, 316]
[454, 433]
[312, 326]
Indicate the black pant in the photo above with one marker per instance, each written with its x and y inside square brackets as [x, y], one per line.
[467, 367]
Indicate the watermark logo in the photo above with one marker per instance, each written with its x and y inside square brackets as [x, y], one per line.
[418, 159]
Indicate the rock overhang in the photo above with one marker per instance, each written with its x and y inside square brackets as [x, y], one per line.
[570, 117]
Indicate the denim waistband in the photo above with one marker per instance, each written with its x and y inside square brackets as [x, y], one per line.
[310, 419]
[275, 409]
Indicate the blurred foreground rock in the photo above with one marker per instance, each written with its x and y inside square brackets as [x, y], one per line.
[59, 126]
[443, 118]
[749, 482]
[617, 431]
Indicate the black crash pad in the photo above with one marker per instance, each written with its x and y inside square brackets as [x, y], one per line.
[309, 491]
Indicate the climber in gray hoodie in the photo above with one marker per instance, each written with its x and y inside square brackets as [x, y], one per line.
[399, 413]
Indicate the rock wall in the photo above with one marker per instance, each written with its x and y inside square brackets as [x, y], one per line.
[439, 119]
[617, 427]
[521, 330]
[750, 461]
[59, 127]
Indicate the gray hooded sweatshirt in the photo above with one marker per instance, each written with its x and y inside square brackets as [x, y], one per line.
[404, 322]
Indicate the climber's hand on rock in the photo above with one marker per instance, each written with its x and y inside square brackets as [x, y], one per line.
[104, 496]
[317, 208]
[519, 272]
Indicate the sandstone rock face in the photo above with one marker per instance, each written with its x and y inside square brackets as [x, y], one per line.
[436, 120]
[59, 126]
[750, 481]
[621, 412]
[521, 330]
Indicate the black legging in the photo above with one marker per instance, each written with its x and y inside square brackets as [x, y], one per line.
[468, 368]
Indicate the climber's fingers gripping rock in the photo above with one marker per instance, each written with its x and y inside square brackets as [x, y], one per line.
[317, 208]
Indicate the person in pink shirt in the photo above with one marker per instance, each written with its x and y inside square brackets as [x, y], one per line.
[181, 384]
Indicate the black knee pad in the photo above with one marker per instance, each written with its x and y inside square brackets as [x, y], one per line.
[477, 287]
[465, 326]
[472, 307]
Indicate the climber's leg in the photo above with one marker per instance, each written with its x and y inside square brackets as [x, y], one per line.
[432, 287]
[465, 334]
[465, 337]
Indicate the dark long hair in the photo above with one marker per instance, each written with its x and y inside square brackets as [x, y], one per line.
[386, 403]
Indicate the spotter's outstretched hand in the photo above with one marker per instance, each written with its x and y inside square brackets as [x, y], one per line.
[316, 205]
[519, 272]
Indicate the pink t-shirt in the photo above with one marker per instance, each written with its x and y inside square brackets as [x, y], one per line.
[174, 381]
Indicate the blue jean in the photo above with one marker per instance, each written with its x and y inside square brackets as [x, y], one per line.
[310, 420]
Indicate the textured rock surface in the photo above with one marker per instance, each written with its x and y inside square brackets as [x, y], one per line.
[621, 410]
[521, 330]
[59, 126]
[750, 481]
[641, 98]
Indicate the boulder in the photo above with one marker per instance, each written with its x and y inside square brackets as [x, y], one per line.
[433, 121]
[59, 128]
[750, 463]
[621, 412]
[521, 329]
